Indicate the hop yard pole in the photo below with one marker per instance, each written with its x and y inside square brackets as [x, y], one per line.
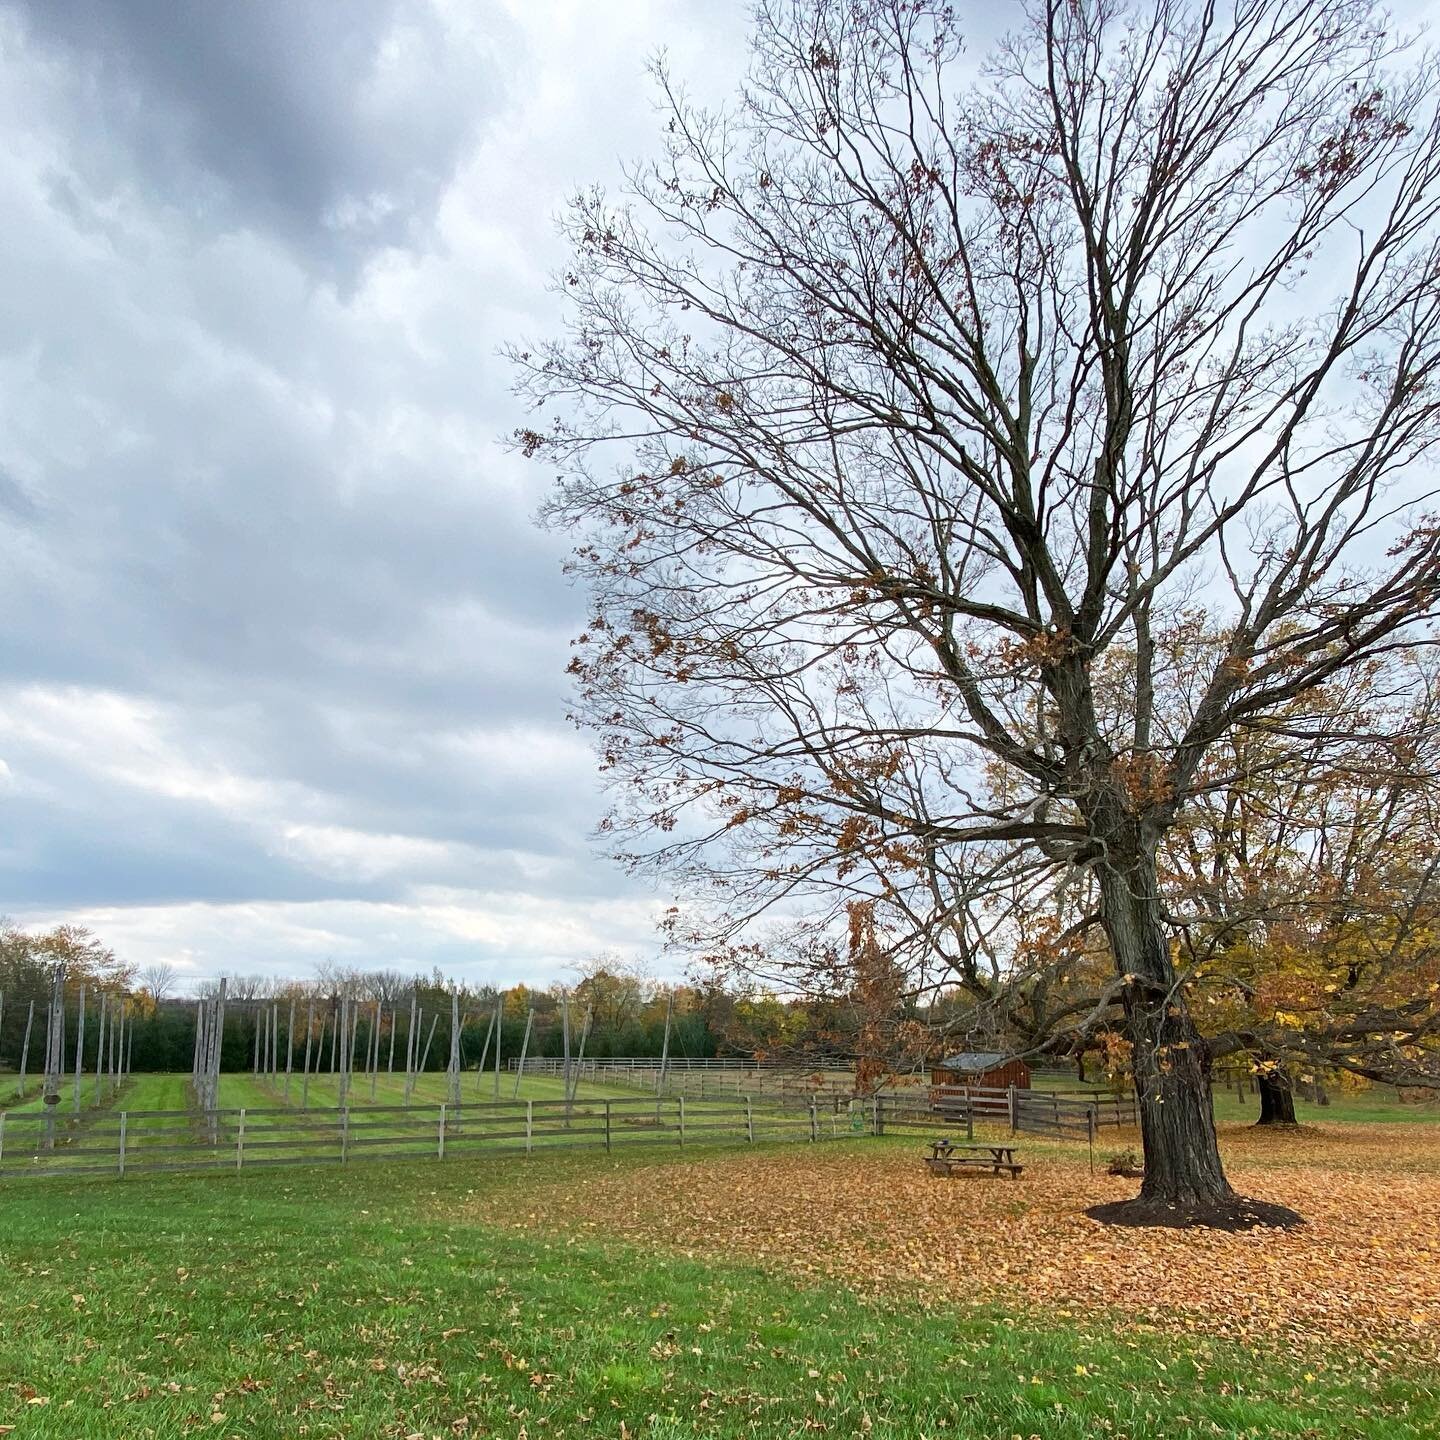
[410, 1047]
[565, 1031]
[342, 1029]
[452, 1074]
[25, 1050]
[375, 1052]
[524, 1050]
[100, 1046]
[484, 1055]
[79, 1047]
[580, 1060]
[499, 1022]
[665, 1044]
[305, 1080]
[54, 1053]
[289, 1048]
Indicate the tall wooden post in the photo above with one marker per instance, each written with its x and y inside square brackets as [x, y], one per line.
[25, 1050]
[565, 1047]
[394, 1018]
[79, 1047]
[289, 1048]
[665, 1044]
[375, 1051]
[499, 1024]
[580, 1061]
[452, 1087]
[524, 1050]
[484, 1054]
[54, 1053]
[343, 1031]
[309, 1027]
[100, 1047]
[411, 1048]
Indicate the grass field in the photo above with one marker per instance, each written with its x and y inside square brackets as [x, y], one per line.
[430, 1089]
[776, 1291]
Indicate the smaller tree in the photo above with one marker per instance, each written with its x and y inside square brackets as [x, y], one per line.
[159, 981]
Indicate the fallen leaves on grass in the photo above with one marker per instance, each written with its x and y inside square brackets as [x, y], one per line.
[1365, 1268]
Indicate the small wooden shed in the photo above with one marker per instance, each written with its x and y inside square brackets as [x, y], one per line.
[985, 1069]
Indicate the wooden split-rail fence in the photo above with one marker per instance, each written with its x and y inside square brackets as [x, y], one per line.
[119, 1143]
[1023, 1112]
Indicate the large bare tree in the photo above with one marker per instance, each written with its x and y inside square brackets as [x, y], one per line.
[905, 394]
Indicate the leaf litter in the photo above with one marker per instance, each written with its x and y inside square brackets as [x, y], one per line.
[1364, 1269]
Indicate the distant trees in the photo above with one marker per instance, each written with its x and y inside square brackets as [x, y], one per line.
[909, 423]
[159, 982]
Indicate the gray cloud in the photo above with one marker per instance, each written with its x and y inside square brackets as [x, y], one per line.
[337, 125]
[283, 655]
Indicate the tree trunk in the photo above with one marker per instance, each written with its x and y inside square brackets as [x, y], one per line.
[1184, 1179]
[1177, 1121]
[1277, 1096]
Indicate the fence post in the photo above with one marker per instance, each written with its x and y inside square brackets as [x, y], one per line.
[2, 1136]
[1013, 1115]
[1090, 1126]
[814, 1123]
[440, 1148]
[344, 1135]
[530, 1124]
[123, 1118]
[240, 1141]
[607, 1127]
[749, 1119]
[682, 1117]
[876, 1125]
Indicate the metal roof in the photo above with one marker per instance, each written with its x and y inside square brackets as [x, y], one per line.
[973, 1060]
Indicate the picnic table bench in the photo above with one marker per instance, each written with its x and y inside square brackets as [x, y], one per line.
[947, 1158]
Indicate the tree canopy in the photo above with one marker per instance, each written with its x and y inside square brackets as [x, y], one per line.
[914, 414]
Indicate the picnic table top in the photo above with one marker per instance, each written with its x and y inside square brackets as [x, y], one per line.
[944, 1147]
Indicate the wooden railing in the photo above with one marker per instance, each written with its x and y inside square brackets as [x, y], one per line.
[125, 1142]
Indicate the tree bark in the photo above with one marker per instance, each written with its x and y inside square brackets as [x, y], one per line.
[1172, 1086]
[1277, 1097]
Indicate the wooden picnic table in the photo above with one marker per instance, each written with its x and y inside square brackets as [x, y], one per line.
[948, 1158]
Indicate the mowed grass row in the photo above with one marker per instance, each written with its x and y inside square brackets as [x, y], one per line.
[293, 1305]
[429, 1089]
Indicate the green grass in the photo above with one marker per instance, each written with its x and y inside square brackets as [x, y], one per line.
[430, 1089]
[311, 1303]
[1378, 1105]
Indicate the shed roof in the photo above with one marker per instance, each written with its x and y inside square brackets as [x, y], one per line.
[974, 1060]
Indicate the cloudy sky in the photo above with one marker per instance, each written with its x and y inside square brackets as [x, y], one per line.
[283, 653]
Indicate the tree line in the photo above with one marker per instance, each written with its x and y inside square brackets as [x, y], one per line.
[625, 1013]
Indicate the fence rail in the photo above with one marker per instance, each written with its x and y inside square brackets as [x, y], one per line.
[1035, 1112]
[554, 1065]
[125, 1142]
